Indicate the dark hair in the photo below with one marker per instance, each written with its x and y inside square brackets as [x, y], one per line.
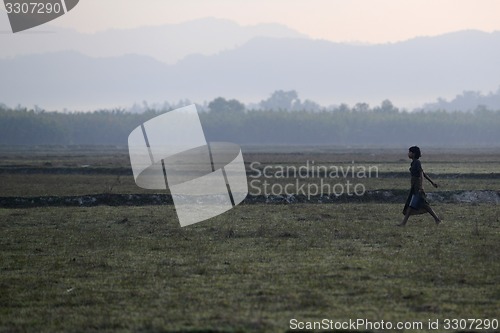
[416, 152]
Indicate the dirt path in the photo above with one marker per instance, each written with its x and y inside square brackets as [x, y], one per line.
[385, 196]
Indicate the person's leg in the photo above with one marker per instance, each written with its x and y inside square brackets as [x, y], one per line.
[431, 211]
[405, 219]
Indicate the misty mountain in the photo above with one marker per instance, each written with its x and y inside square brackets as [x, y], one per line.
[70, 79]
[415, 71]
[167, 43]
[418, 70]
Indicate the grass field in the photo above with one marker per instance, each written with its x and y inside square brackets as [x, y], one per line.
[252, 269]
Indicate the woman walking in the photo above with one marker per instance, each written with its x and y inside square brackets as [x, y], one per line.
[416, 203]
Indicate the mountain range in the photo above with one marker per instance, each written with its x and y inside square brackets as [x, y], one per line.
[167, 43]
[408, 73]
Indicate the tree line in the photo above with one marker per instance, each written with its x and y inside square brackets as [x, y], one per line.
[383, 125]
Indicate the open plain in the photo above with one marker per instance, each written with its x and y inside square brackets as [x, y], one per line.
[116, 266]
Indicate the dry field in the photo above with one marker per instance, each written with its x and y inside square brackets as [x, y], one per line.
[253, 269]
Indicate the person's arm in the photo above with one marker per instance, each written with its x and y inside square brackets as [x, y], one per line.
[420, 179]
[429, 179]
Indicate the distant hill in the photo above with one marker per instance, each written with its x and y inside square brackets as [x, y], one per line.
[166, 43]
[70, 79]
[415, 71]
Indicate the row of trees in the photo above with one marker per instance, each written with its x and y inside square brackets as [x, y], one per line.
[281, 100]
[467, 101]
[345, 126]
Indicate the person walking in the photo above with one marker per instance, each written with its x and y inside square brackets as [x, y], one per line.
[416, 203]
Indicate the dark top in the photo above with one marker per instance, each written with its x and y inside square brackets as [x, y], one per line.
[415, 168]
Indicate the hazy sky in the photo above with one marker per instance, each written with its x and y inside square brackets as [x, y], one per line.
[374, 21]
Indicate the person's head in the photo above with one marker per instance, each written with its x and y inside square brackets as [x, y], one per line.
[414, 153]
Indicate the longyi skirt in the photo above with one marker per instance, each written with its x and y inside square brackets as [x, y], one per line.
[424, 204]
